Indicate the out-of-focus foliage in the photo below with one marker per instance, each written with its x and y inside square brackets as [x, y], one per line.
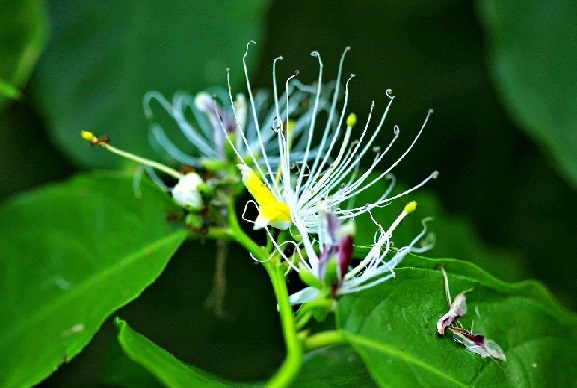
[498, 201]
[26, 156]
[393, 328]
[104, 56]
[533, 56]
[163, 365]
[23, 28]
[59, 281]
[338, 365]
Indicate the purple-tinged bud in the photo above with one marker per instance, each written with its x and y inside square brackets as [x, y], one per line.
[345, 253]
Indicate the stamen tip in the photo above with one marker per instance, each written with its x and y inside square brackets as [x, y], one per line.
[351, 120]
[410, 207]
[88, 136]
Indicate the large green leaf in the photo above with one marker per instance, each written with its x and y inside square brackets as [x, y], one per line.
[167, 369]
[337, 365]
[71, 254]
[533, 56]
[333, 366]
[393, 328]
[22, 34]
[104, 56]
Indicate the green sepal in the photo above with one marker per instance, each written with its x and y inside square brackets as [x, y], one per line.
[320, 312]
[214, 165]
[295, 234]
[309, 279]
[205, 190]
[331, 275]
[193, 220]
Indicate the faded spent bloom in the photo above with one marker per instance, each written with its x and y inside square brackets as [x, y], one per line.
[326, 174]
[331, 275]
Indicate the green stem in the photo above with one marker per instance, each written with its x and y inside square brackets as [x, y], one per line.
[325, 338]
[217, 233]
[294, 358]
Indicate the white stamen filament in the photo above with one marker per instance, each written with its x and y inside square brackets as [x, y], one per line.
[377, 247]
[144, 161]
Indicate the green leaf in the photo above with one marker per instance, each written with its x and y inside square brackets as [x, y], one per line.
[104, 56]
[23, 28]
[333, 366]
[167, 369]
[337, 365]
[533, 56]
[71, 254]
[392, 326]
[121, 371]
[7, 90]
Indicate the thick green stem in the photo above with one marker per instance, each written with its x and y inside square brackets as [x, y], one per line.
[294, 358]
[325, 338]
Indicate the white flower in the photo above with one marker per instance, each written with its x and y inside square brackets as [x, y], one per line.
[186, 192]
[336, 246]
[327, 174]
[215, 116]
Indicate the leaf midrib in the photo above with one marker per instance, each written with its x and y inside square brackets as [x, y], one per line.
[360, 340]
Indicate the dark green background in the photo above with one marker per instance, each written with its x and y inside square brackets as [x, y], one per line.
[502, 179]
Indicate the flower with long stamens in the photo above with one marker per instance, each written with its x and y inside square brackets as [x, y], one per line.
[207, 119]
[331, 270]
[331, 177]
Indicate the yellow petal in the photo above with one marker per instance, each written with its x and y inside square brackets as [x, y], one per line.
[271, 211]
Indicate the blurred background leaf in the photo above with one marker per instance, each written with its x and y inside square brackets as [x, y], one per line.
[167, 369]
[72, 254]
[104, 56]
[497, 197]
[23, 28]
[532, 57]
[27, 158]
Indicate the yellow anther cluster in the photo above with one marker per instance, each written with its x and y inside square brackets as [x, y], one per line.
[88, 136]
[351, 120]
[410, 207]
